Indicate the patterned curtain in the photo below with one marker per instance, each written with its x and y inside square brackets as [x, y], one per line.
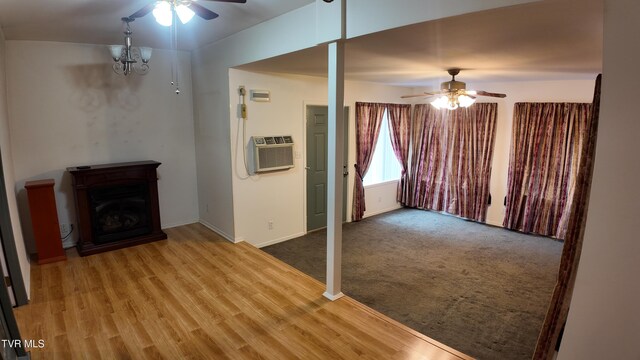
[368, 120]
[559, 307]
[400, 123]
[451, 159]
[546, 148]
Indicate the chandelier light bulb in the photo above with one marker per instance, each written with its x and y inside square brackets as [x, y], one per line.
[116, 52]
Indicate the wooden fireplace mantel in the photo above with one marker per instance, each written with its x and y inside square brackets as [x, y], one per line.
[86, 178]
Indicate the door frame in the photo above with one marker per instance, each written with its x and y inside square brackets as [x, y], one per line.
[347, 160]
[9, 244]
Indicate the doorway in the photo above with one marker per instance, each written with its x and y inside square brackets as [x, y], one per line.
[317, 135]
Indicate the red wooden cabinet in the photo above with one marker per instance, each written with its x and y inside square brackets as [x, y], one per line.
[44, 219]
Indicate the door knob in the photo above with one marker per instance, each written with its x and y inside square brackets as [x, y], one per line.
[308, 167]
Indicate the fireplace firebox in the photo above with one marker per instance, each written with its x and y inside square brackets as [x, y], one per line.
[119, 212]
[116, 205]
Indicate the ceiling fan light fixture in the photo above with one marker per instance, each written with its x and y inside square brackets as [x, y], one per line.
[184, 13]
[440, 102]
[454, 94]
[452, 101]
[465, 101]
[163, 14]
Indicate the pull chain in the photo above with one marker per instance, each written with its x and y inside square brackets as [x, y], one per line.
[174, 48]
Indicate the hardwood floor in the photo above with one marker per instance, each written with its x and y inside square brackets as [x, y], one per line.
[198, 296]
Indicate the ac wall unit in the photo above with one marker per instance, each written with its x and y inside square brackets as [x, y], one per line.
[272, 153]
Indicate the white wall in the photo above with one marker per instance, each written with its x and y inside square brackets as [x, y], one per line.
[280, 197]
[68, 108]
[210, 65]
[521, 91]
[604, 321]
[380, 198]
[8, 171]
[286, 33]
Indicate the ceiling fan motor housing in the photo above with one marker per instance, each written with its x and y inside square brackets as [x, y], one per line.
[453, 86]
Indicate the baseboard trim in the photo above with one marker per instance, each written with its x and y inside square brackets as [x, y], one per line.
[279, 240]
[333, 297]
[367, 214]
[181, 223]
[219, 232]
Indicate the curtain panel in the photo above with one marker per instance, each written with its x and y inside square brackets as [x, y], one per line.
[546, 149]
[451, 159]
[368, 120]
[399, 124]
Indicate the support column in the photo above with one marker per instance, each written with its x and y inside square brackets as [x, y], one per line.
[334, 173]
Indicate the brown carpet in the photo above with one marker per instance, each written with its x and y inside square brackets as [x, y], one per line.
[479, 289]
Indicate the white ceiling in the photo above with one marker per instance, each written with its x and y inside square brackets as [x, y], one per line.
[547, 40]
[98, 21]
[551, 39]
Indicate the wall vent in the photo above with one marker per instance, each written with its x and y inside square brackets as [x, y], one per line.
[260, 95]
[272, 153]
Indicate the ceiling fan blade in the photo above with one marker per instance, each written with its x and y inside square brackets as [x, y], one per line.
[142, 12]
[230, 1]
[486, 93]
[425, 94]
[412, 96]
[202, 11]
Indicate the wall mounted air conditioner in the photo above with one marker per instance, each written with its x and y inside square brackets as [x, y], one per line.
[272, 153]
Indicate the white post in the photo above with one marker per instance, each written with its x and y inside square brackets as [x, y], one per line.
[334, 176]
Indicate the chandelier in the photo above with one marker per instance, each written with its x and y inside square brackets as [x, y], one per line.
[127, 58]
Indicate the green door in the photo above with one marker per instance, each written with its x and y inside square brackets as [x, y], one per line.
[317, 129]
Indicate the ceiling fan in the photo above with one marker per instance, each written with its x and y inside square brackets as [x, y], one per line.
[454, 94]
[185, 9]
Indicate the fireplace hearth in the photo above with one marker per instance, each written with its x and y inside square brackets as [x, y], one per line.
[116, 205]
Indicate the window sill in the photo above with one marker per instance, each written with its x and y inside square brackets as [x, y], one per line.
[381, 184]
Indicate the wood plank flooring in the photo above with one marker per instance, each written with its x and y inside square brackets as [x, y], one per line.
[198, 296]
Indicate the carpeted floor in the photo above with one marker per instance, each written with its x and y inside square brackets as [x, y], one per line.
[479, 289]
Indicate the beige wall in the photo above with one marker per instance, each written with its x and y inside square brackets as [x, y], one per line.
[67, 108]
[604, 321]
[8, 169]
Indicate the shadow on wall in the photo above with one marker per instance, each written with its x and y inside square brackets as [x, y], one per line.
[96, 86]
[65, 205]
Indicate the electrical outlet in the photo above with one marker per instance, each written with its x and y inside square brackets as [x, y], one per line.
[270, 224]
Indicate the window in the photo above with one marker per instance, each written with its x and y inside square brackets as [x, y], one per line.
[384, 165]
